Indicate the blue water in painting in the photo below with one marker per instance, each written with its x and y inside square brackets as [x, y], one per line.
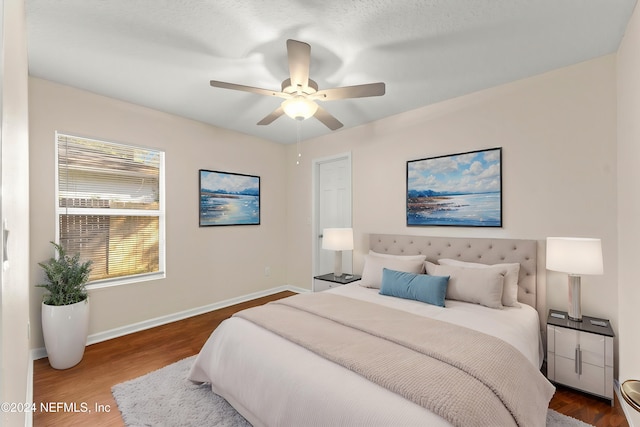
[462, 210]
[225, 210]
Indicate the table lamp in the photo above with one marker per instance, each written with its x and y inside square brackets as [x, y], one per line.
[575, 256]
[337, 239]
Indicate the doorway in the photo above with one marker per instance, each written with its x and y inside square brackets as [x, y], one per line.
[332, 208]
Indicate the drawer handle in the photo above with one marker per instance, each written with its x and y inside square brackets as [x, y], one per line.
[578, 360]
[580, 364]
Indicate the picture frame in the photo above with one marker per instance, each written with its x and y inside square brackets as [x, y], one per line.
[459, 190]
[227, 198]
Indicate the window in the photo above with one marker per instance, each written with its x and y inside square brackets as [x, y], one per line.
[110, 208]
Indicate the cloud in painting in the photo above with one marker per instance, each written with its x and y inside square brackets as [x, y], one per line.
[477, 172]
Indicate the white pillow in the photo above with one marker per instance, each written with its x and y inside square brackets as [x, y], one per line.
[373, 265]
[405, 257]
[510, 291]
[477, 285]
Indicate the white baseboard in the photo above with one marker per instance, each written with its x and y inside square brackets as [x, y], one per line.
[39, 353]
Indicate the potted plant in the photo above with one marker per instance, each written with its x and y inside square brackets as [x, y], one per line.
[65, 308]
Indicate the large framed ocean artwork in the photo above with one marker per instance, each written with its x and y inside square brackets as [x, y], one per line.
[229, 198]
[463, 190]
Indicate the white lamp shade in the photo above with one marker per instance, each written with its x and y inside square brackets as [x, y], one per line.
[299, 108]
[337, 239]
[574, 255]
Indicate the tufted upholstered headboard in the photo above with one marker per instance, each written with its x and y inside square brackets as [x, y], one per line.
[481, 250]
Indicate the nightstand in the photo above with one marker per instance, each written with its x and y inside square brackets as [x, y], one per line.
[328, 281]
[580, 354]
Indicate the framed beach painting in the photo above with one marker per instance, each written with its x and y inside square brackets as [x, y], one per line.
[463, 190]
[229, 198]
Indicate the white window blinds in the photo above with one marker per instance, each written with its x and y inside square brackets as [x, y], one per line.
[110, 206]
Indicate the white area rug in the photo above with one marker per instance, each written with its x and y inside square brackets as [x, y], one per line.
[166, 398]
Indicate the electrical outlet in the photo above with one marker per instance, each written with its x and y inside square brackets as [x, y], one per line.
[267, 271]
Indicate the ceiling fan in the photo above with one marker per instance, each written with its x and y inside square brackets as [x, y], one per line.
[300, 93]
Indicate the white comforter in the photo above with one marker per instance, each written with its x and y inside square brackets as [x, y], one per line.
[273, 382]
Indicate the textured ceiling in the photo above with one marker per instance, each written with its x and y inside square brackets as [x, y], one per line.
[163, 53]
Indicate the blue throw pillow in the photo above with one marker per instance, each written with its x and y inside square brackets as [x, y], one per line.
[419, 287]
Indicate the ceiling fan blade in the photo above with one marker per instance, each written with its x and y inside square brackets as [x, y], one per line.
[359, 91]
[272, 116]
[233, 86]
[299, 54]
[327, 119]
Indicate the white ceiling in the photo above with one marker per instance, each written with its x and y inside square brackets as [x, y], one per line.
[163, 53]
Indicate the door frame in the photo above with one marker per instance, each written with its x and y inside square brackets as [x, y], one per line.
[315, 183]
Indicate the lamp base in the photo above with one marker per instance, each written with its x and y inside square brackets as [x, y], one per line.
[575, 309]
[337, 264]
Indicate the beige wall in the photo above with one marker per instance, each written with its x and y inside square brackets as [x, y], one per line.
[558, 135]
[204, 265]
[628, 66]
[14, 296]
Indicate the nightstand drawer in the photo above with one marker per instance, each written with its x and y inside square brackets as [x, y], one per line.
[322, 285]
[592, 346]
[591, 379]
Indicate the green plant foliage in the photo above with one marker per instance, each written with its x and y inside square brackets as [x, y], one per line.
[66, 278]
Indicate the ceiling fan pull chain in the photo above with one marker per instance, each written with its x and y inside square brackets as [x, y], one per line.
[298, 137]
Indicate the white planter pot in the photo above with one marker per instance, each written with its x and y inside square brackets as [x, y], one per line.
[65, 329]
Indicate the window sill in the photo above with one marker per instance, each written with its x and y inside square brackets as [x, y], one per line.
[109, 283]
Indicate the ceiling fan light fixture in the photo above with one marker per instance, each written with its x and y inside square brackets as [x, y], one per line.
[299, 108]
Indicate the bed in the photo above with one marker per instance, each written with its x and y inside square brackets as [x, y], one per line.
[278, 370]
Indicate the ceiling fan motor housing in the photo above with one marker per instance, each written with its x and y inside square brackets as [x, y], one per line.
[310, 89]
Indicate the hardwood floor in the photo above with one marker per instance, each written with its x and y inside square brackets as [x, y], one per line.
[590, 409]
[87, 386]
